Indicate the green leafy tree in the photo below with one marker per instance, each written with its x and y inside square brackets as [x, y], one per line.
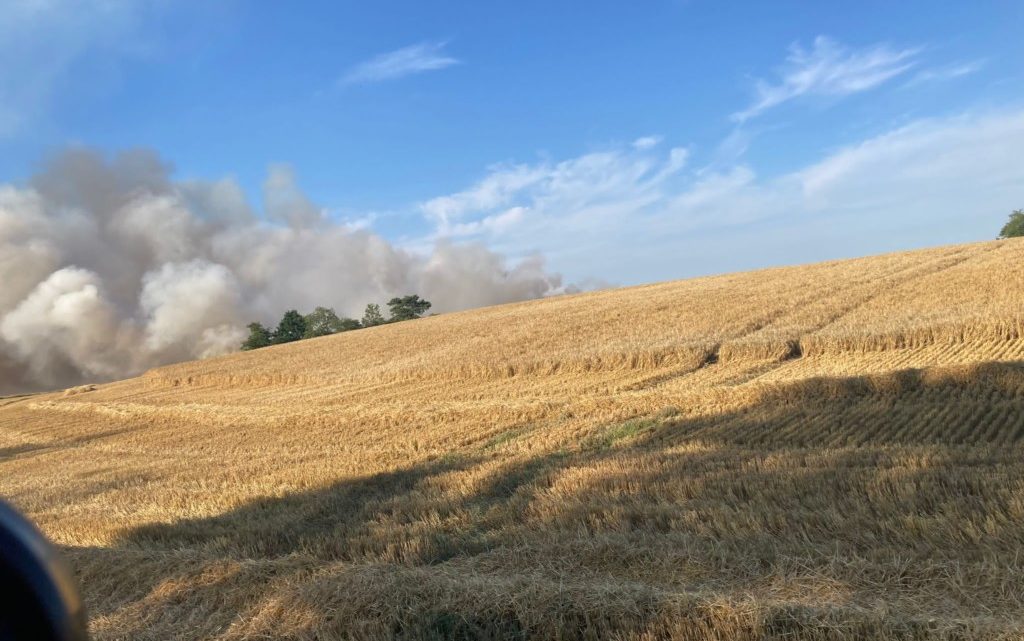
[259, 336]
[1015, 226]
[372, 316]
[348, 324]
[321, 322]
[407, 307]
[291, 328]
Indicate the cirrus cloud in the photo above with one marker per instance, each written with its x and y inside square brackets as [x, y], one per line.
[829, 69]
[417, 58]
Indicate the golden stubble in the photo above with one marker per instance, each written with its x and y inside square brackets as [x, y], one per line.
[829, 451]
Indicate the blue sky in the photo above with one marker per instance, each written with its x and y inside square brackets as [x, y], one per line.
[625, 142]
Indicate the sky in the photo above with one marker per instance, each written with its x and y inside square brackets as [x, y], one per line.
[623, 142]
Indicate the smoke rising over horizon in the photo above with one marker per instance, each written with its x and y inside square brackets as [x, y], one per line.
[109, 267]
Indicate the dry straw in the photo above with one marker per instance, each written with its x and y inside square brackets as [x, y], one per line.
[831, 451]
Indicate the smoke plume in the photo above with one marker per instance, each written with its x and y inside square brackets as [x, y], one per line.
[108, 267]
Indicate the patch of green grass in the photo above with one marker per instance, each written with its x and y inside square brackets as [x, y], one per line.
[504, 437]
[623, 431]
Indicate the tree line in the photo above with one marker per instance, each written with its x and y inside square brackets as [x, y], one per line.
[323, 321]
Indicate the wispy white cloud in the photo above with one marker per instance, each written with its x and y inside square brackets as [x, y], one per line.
[646, 142]
[829, 69]
[500, 186]
[948, 72]
[587, 187]
[425, 56]
[634, 215]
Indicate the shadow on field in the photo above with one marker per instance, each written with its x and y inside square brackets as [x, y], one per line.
[346, 521]
[970, 405]
[828, 496]
[31, 449]
[16, 450]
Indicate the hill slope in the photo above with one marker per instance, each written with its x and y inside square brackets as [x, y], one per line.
[826, 451]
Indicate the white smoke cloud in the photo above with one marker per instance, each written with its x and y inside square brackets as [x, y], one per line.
[64, 326]
[183, 302]
[108, 267]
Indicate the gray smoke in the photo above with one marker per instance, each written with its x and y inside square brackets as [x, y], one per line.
[108, 268]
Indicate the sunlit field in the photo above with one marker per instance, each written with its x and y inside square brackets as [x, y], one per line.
[829, 451]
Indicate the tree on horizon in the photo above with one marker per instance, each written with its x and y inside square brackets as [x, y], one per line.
[373, 316]
[1014, 228]
[407, 307]
[259, 336]
[291, 328]
[323, 321]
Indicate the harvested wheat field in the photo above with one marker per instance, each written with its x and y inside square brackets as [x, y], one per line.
[833, 451]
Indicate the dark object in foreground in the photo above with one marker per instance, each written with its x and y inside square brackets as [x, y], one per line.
[38, 596]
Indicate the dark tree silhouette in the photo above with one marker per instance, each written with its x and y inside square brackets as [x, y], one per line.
[259, 336]
[407, 307]
[291, 328]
